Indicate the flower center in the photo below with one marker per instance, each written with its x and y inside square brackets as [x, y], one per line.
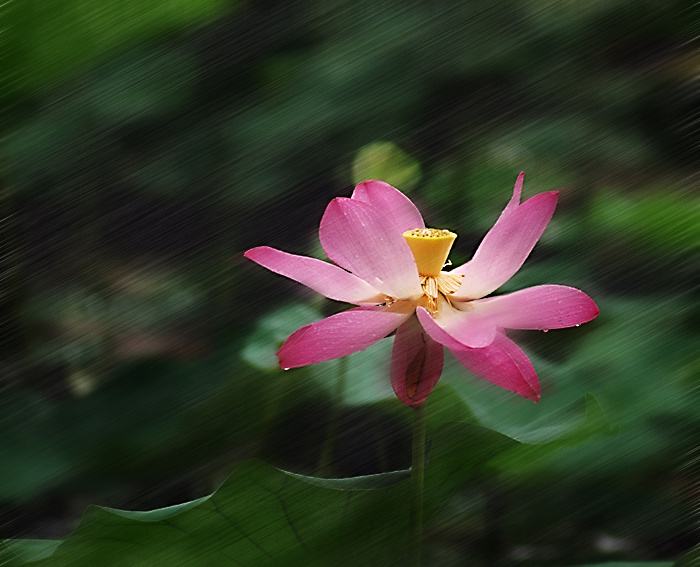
[430, 247]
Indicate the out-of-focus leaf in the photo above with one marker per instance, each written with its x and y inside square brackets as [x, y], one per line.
[141, 300]
[49, 139]
[540, 441]
[272, 330]
[635, 564]
[208, 410]
[52, 39]
[33, 454]
[578, 139]
[468, 195]
[385, 161]
[141, 84]
[367, 378]
[661, 221]
[179, 164]
[444, 405]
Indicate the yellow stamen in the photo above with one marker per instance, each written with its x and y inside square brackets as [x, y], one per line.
[444, 283]
[430, 247]
[430, 290]
[449, 283]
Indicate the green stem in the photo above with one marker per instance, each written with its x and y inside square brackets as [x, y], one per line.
[417, 476]
[324, 463]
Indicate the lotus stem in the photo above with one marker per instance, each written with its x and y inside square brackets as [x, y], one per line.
[417, 482]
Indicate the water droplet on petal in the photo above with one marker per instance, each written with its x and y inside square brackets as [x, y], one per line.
[545, 330]
[286, 369]
[578, 324]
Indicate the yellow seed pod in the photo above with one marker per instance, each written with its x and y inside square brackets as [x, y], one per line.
[430, 247]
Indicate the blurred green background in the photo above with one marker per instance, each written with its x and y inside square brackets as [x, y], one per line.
[146, 148]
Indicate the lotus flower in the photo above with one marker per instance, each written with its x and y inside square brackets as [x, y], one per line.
[391, 267]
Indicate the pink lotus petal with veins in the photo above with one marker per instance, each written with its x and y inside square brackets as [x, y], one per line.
[323, 277]
[339, 335]
[363, 240]
[506, 247]
[502, 363]
[539, 307]
[392, 202]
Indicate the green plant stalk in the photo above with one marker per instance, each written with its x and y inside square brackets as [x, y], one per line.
[324, 463]
[417, 482]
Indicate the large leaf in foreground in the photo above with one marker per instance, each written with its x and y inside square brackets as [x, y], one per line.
[264, 516]
[635, 564]
[260, 516]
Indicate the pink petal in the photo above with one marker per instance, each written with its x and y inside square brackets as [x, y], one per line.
[506, 246]
[458, 329]
[392, 202]
[325, 278]
[416, 363]
[338, 335]
[502, 363]
[514, 202]
[360, 238]
[540, 307]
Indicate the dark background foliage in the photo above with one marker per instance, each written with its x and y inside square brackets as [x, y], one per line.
[146, 148]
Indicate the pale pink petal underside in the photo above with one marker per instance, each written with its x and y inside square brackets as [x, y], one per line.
[506, 246]
[393, 203]
[339, 335]
[359, 238]
[540, 307]
[502, 363]
[454, 328]
[416, 363]
[323, 277]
